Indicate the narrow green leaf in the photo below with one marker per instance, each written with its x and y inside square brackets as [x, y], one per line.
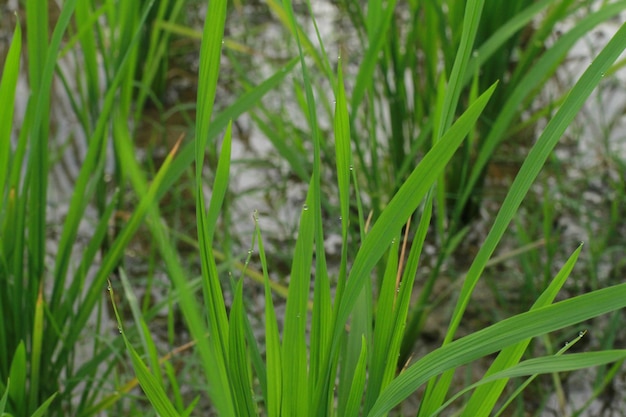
[294, 355]
[524, 179]
[35, 352]
[210, 54]
[272, 340]
[150, 385]
[497, 337]
[77, 206]
[540, 70]
[545, 365]
[5, 397]
[533, 164]
[238, 359]
[343, 157]
[297, 375]
[42, 410]
[484, 398]
[214, 299]
[220, 185]
[502, 35]
[404, 203]
[8, 84]
[37, 29]
[283, 15]
[211, 352]
[17, 376]
[42, 62]
[85, 21]
[353, 405]
[368, 65]
[473, 11]
[241, 105]
[142, 328]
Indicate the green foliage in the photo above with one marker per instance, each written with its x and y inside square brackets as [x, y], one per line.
[454, 79]
[46, 306]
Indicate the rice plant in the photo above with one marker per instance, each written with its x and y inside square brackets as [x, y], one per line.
[339, 346]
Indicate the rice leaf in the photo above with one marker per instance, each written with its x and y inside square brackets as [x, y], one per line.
[5, 397]
[404, 203]
[42, 410]
[546, 365]
[498, 336]
[238, 359]
[343, 158]
[95, 154]
[527, 174]
[377, 38]
[35, 351]
[540, 70]
[140, 323]
[187, 154]
[150, 385]
[294, 353]
[384, 328]
[473, 11]
[485, 396]
[357, 385]
[8, 84]
[17, 376]
[272, 340]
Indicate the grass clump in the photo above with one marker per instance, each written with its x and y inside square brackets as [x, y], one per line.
[340, 346]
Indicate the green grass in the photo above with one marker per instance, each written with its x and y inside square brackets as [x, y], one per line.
[349, 324]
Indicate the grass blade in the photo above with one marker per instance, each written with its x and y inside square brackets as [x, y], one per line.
[5, 398]
[533, 164]
[8, 84]
[239, 371]
[368, 65]
[149, 383]
[546, 365]
[404, 204]
[17, 377]
[485, 397]
[358, 383]
[42, 410]
[393, 217]
[527, 174]
[142, 328]
[294, 356]
[272, 340]
[497, 337]
[244, 103]
[540, 69]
